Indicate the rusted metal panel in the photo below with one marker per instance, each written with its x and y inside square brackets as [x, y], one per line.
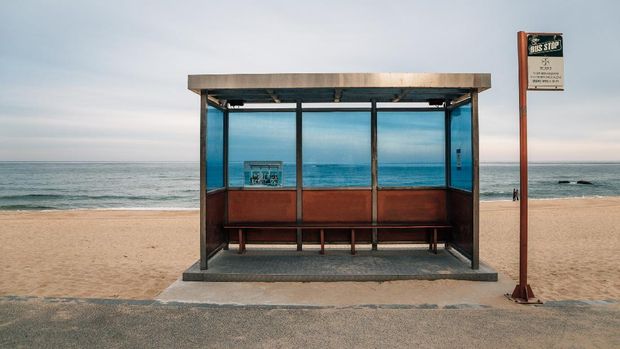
[337, 236]
[215, 235]
[336, 206]
[409, 235]
[265, 236]
[261, 206]
[428, 205]
[461, 217]
[333, 206]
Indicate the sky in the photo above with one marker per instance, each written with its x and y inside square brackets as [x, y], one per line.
[107, 80]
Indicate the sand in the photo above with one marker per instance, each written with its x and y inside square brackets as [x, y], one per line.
[574, 246]
[108, 254]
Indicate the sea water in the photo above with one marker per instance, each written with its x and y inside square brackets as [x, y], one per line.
[175, 185]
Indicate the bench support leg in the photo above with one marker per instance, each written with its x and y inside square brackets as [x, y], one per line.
[430, 241]
[322, 241]
[352, 241]
[375, 239]
[299, 237]
[241, 242]
[435, 240]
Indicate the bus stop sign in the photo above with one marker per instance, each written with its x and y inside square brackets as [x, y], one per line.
[545, 62]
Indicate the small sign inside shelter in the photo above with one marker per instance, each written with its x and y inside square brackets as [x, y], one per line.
[262, 173]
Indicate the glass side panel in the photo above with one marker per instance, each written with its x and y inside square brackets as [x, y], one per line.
[461, 148]
[411, 148]
[215, 148]
[336, 149]
[261, 137]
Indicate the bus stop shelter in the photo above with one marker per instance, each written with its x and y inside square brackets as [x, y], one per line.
[310, 160]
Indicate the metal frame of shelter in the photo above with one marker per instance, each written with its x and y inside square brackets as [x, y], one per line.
[395, 92]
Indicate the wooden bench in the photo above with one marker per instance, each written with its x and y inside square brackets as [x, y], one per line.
[242, 229]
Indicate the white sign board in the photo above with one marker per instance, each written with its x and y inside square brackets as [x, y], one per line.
[262, 173]
[545, 62]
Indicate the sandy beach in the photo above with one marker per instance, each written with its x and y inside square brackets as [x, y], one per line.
[574, 246]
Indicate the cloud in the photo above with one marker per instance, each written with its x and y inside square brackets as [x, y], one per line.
[74, 73]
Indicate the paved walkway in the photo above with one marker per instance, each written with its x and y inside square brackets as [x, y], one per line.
[68, 323]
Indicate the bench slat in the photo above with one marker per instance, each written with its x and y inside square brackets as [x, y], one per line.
[338, 226]
[351, 226]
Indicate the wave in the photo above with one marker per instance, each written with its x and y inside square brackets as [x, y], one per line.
[490, 199]
[32, 196]
[51, 208]
[496, 194]
[91, 197]
[26, 207]
[144, 209]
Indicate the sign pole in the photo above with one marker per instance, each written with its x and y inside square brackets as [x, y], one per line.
[541, 67]
[522, 292]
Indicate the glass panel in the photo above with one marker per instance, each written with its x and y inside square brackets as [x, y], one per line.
[411, 148]
[261, 137]
[215, 148]
[336, 149]
[461, 148]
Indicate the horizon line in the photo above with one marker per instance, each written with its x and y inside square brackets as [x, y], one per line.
[310, 163]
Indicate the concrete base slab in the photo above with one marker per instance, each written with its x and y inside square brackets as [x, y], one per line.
[391, 294]
[261, 265]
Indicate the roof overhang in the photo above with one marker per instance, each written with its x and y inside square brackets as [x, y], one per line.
[338, 87]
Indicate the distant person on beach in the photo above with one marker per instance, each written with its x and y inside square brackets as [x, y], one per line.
[515, 194]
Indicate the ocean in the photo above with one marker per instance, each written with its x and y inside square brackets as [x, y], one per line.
[174, 185]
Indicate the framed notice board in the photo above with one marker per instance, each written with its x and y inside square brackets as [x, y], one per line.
[262, 173]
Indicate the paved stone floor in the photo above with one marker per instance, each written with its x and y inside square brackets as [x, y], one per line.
[337, 265]
[74, 323]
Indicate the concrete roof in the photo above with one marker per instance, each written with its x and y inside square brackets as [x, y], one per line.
[338, 87]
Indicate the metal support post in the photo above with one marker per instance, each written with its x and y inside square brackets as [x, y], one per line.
[226, 116]
[448, 172]
[475, 190]
[203, 179]
[373, 170]
[299, 168]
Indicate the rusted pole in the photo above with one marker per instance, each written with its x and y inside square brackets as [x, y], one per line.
[522, 292]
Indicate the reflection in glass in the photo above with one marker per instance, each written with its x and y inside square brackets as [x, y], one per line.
[261, 136]
[410, 148]
[461, 148]
[215, 148]
[336, 149]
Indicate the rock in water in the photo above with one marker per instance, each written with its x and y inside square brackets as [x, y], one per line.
[563, 182]
[583, 182]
